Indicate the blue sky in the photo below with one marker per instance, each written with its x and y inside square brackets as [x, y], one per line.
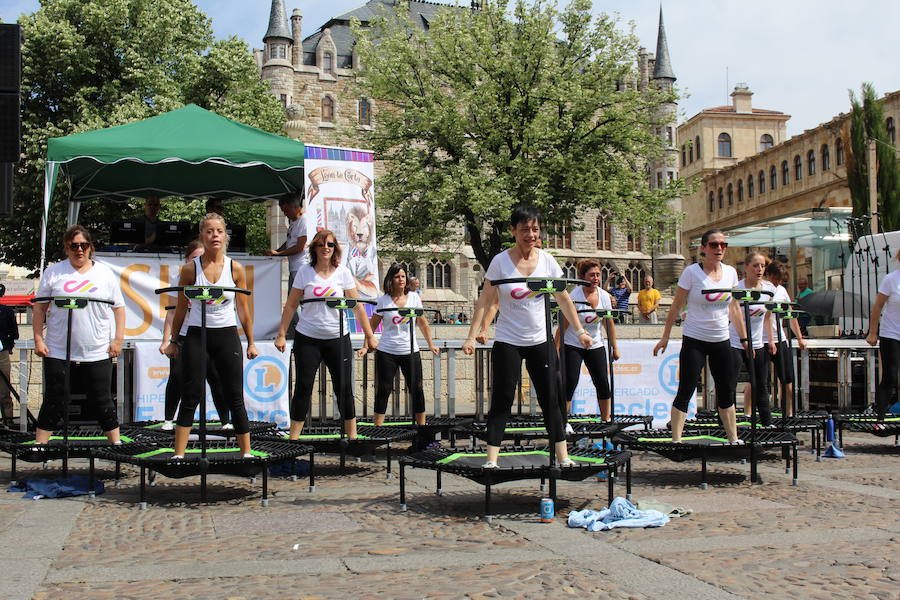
[798, 56]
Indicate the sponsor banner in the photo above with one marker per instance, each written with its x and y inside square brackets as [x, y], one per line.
[140, 275]
[266, 393]
[340, 196]
[644, 384]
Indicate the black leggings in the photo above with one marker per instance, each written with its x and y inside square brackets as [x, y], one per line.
[309, 353]
[784, 371]
[506, 360]
[890, 362]
[175, 387]
[760, 366]
[386, 368]
[223, 349]
[96, 381]
[595, 360]
[693, 355]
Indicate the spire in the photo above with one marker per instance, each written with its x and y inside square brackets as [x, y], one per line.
[278, 27]
[663, 67]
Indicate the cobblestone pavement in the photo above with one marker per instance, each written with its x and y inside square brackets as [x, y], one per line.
[835, 535]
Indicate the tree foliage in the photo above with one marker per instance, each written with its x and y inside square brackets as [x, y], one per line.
[867, 122]
[508, 104]
[90, 64]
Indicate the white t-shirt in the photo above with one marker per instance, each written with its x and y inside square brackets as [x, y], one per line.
[522, 320]
[93, 327]
[297, 230]
[395, 329]
[889, 326]
[707, 315]
[591, 322]
[317, 320]
[220, 312]
[781, 295]
[757, 315]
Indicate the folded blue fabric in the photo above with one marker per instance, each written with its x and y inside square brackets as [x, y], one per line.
[63, 487]
[289, 468]
[621, 513]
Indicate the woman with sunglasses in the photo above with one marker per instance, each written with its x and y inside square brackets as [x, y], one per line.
[705, 333]
[521, 332]
[884, 328]
[393, 347]
[317, 337]
[93, 342]
[213, 268]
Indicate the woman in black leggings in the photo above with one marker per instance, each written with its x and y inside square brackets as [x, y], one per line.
[705, 333]
[521, 332]
[884, 327]
[317, 339]
[393, 347]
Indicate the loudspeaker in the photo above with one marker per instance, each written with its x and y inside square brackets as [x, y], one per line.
[10, 79]
[6, 189]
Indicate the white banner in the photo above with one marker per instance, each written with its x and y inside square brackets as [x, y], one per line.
[145, 312]
[266, 393]
[340, 196]
[644, 384]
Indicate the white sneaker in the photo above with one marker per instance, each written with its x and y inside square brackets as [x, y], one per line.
[737, 442]
[569, 430]
[178, 457]
[248, 456]
[489, 465]
[568, 463]
[228, 426]
[167, 426]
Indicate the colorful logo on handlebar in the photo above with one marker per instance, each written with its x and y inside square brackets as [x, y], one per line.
[72, 287]
[320, 292]
[265, 379]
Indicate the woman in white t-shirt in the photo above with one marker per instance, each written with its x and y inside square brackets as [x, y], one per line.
[317, 338]
[521, 332]
[393, 347]
[760, 322]
[93, 344]
[705, 333]
[884, 328]
[594, 358]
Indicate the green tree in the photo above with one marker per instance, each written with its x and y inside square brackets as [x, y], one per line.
[867, 122]
[89, 64]
[507, 104]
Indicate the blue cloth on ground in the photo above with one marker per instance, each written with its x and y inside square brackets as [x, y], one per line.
[74, 485]
[621, 513]
[289, 468]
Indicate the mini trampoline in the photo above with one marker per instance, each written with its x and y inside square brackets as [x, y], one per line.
[811, 422]
[522, 428]
[516, 463]
[222, 457]
[329, 439]
[212, 428]
[868, 423]
[710, 444]
[427, 433]
[623, 421]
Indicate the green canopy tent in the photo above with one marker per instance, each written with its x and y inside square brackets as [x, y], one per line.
[188, 152]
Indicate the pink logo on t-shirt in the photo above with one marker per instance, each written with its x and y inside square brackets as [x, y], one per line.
[755, 312]
[718, 297]
[522, 293]
[85, 285]
[591, 318]
[319, 291]
[398, 320]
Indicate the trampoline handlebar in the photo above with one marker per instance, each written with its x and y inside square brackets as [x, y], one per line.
[42, 299]
[337, 299]
[179, 288]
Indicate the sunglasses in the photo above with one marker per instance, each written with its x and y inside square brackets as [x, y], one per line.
[83, 246]
[330, 244]
[722, 245]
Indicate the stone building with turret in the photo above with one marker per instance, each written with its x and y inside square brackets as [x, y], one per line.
[311, 73]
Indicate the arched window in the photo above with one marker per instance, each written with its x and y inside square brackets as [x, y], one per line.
[891, 130]
[811, 162]
[365, 112]
[327, 62]
[690, 153]
[712, 202]
[604, 233]
[740, 190]
[570, 271]
[765, 142]
[839, 151]
[826, 158]
[633, 241]
[785, 173]
[750, 187]
[721, 197]
[438, 274]
[683, 155]
[409, 268]
[773, 177]
[328, 109]
[697, 144]
[730, 195]
[724, 145]
[560, 236]
[635, 275]
[278, 51]
[606, 272]
[762, 182]
[798, 168]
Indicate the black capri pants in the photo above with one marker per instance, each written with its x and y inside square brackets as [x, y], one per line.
[890, 363]
[223, 349]
[760, 366]
[386, 365]
[309, 353]
[96, 381]
[691, 359]
[175, 387]
[784, 371]
[595, 361]
[506, 360]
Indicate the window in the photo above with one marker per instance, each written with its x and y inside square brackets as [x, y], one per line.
[365, 112]
[712, 202]
[721, 196]
[798, 168]
[839, 151]
[785, 173]
[635, 275]
[659, 180]
[606, 272]
[750, 187]
[328, 109]
[604, 233]
[773, 177]
[690, 153]
[283, 98]
[277, 51]
[671, 176]
[670, 136]
[570, 271]
[826, 158]
[327, 62]
[724, 145]
[765, 142]
[762, 182]
[811, 162]
[730, 195]
[438, 274]
[683, 155]
[560, 236]
[740, 190]
[409, 268]
[633, 242]
[697, 144]
[891, 130]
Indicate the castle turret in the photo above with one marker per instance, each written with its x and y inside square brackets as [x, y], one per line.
[297, 47]
[662, 69]
[277, 68]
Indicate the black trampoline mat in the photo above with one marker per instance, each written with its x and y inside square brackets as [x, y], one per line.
[319, 436]
[81, 440]
[166, 454]
[694, 440]
[528, 458]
